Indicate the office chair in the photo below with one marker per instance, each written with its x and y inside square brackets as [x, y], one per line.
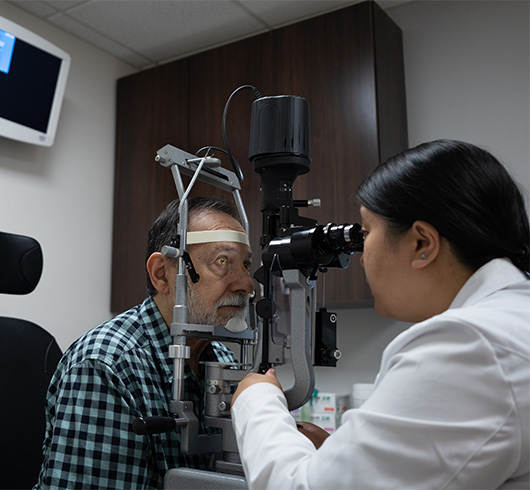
[28, 357]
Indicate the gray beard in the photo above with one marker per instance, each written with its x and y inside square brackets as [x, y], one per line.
[199, 314]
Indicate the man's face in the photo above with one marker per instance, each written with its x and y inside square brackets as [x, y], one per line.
[225, 283]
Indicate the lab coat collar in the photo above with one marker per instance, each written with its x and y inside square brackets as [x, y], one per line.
[493, 276]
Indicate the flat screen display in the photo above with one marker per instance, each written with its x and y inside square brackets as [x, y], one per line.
[32, 82]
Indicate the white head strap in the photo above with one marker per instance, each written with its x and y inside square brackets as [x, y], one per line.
[209, 236]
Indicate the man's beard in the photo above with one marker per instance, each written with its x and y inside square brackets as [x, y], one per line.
[199, 313]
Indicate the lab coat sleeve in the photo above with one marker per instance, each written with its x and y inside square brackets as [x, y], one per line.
[265, 427]
[442, 416]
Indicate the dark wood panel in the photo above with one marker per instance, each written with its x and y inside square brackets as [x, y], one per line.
[340, 62]
[151, 111]
[246, 62]
[390, 69]
[335, 71]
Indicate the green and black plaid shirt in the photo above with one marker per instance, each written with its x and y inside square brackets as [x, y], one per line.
[113, 374]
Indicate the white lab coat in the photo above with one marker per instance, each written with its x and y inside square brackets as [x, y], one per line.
[451, 406]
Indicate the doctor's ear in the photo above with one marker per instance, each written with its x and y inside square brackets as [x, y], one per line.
[158, 269]
[427, 244]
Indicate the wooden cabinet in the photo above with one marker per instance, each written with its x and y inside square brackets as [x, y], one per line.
[348, 64]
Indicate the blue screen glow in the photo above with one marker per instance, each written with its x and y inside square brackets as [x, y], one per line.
[7, 43]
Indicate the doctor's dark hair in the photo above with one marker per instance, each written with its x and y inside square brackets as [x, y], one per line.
[461, 190]
[164, 230]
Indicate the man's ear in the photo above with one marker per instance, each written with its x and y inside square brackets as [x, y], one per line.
[157, 268]
[427, 241]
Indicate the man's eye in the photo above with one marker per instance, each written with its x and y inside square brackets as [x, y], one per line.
[222, 261]
[247, 265]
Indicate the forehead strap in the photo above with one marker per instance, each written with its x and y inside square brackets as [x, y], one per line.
[209, 236]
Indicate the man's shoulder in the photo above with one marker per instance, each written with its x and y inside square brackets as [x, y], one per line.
[112, 339]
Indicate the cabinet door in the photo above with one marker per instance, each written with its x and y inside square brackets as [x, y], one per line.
[332, 61]
[216, 74]
[151, 111]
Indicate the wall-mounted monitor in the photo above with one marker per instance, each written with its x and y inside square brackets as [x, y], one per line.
[33, 75]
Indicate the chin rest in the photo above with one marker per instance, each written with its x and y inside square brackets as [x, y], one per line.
[20, 263]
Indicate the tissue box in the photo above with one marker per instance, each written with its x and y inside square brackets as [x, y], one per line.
[296, 413]
[329, 421]
[360, 393]
[336, 403]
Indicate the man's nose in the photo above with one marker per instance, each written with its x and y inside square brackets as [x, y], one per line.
[361, 260]
[242, 281]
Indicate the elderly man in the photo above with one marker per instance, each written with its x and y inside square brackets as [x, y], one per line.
[120, 370]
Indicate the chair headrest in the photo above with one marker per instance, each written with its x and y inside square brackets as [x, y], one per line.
[20, 263]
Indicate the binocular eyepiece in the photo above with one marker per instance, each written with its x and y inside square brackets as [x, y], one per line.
[322, 246]
[347, 238]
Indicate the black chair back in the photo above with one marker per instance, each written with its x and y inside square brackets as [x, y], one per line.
[28, 357]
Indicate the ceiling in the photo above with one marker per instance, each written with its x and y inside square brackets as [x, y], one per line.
[145, 33]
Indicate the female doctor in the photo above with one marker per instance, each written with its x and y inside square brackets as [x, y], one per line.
[446, 247]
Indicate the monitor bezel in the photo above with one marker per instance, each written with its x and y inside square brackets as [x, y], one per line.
[19, 132]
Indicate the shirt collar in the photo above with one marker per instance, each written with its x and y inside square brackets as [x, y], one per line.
[159, 335]
[493, 276]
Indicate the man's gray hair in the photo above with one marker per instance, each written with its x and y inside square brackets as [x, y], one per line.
[164, 229]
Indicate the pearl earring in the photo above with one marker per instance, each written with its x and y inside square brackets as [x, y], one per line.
[423, 256]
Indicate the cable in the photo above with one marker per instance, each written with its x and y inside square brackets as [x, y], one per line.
[214, 148]
[235, 165]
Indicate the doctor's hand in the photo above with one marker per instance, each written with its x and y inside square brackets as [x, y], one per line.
[314, 433]
[253, 378]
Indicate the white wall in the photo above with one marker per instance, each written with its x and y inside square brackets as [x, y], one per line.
[467, 77]
[63, 195]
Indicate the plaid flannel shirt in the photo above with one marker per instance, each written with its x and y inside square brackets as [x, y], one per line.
[113, 374]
